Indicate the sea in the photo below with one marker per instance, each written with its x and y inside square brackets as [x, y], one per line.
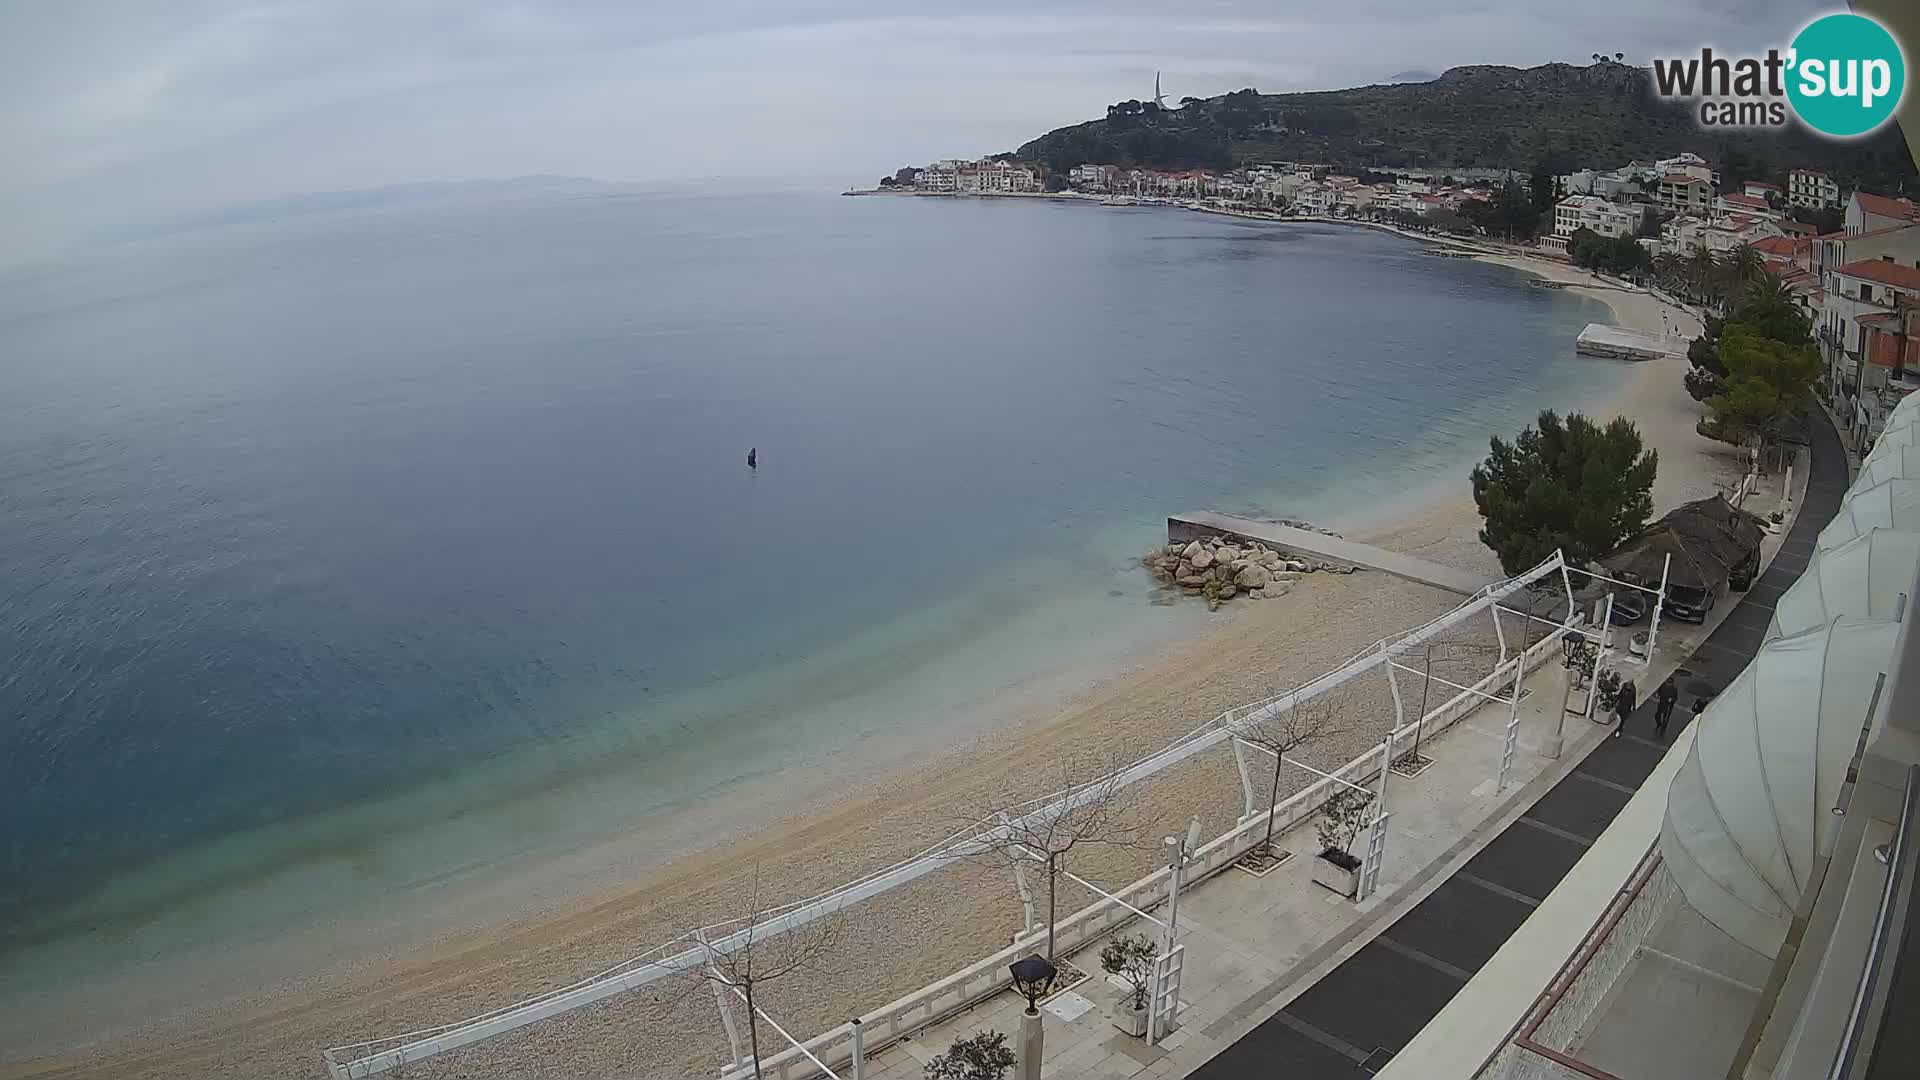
[349, 551]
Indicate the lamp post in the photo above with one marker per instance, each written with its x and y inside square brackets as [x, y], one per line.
[1032, 976]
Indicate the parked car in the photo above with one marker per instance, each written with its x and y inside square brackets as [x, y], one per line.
[1688, 603]
[1630, 606]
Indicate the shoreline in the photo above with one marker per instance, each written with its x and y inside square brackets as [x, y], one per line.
[1129, 705]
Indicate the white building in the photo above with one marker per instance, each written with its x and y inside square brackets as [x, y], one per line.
[1685, 193]
[1867, 212]
[1578, 212]
[1813, 188]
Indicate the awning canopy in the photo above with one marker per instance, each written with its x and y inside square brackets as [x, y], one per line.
[1644, 557]
[1707, 538]
[1863, 578]
[1749, 810]
[1888, 462]
[1890, 504]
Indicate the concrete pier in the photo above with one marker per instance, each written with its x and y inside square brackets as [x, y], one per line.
[1620, 343]
[1324, 548]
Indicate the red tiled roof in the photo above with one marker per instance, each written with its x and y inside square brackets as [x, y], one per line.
[1752, 201]
[1680, 178]
[1881, 206]
[1761, 184]
[1799, 227]
[1886, 273]
[1777, 245]
[1875, 322]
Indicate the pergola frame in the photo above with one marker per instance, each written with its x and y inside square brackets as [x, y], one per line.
[369, 1058]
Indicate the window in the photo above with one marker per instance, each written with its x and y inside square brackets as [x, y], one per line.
[1866, 291]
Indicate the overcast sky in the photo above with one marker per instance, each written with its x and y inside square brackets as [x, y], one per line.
[111, 110]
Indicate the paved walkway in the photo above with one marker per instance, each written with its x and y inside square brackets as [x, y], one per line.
[1352, 1021]
[1183, 527]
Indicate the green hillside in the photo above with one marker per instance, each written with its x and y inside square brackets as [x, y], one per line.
[1602, 115]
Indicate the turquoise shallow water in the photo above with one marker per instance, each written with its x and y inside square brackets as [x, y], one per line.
[341, 554]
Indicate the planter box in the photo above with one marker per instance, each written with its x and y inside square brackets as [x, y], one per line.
[1129, 1019]
[1337, 876]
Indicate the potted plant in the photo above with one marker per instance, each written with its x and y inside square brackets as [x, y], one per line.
[982, 1056]
[1341, 819]
[1131, 958]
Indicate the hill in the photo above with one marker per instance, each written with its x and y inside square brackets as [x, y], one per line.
[1558, 115]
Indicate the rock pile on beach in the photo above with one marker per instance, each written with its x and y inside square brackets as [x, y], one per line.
[1220, 569]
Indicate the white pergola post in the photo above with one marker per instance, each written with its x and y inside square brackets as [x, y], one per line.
[1376, 829]
[714, 981]
[1512, 737]
[1020, 884]
[1246, 781]
[1500, 635]
[859, 1049]
[1659, 600]
[1600, 654]
[1399, 705]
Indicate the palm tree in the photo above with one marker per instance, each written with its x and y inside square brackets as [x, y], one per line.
[1702, 273]
[1740, 267]
[1670, 270]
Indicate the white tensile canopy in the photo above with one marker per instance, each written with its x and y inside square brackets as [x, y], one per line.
[1905, 412]
[1888, 462]
[1750, 808]
[1894, 438]
[1862, 578]
[1890, 504]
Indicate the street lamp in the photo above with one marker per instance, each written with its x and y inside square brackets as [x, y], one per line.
[1032, 976]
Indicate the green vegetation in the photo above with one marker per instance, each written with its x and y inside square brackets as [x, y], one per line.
[1558, 114]
[985, 1056]
[1131, 958]
[1574, 487]
[1766, 384]
[1616, 255]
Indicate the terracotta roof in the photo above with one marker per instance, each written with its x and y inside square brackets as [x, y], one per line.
[1888, 320]
[1753, 201]
[1799, 227]
[1777, 245]
[1680, 178]
[1886, 273]
[1761, 184]
[1881, 206]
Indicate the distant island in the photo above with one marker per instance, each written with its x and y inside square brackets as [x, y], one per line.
[1546, 118]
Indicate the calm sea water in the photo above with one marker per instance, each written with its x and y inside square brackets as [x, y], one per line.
[338, 554]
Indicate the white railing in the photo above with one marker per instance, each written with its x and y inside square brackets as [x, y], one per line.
[363, 1059]
[986, 977]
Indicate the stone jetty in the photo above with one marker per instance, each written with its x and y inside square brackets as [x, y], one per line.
[1218, 569]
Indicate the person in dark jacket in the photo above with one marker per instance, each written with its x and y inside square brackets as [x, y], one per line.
[1666, 696]
[1623, 707]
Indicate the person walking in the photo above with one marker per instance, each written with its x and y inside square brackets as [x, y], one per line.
[1666, 696]
[1623, 707]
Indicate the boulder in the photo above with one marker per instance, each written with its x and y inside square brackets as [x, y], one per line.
[1200, 559]
[1252, 577]
[1228, 553]
[1222, 572]
[1297, 567]
[1268, 558]
[1191, 581]
[1192, 549]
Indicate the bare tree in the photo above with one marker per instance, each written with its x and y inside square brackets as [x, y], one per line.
[753, 953]
[1100, 811]
[1280, 730]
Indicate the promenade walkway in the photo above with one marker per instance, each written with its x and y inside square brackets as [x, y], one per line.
[1287, 979]
[1313, 545]
[1351, 1022]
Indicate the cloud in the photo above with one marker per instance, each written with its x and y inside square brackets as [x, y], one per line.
[113, 108]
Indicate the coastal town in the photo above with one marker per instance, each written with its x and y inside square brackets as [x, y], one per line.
[1851, 258]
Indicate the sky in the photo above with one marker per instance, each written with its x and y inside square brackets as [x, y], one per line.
[115, 111]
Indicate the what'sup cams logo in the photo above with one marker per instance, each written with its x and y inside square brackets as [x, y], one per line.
[1843, 77]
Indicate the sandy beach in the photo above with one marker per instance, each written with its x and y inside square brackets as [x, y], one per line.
[905, 938]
